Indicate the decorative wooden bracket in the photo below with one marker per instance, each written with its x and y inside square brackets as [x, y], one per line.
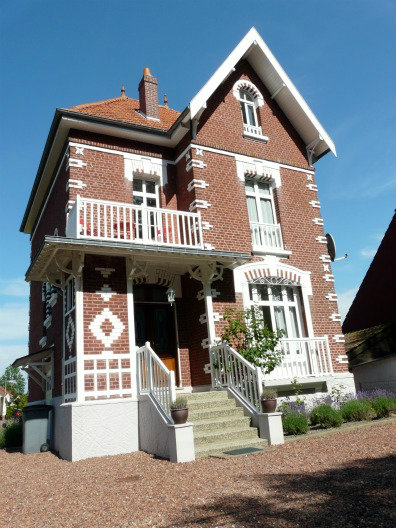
[207, 273]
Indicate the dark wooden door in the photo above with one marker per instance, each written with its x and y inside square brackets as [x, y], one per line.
[156, 323]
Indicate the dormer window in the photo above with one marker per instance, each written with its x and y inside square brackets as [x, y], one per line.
[250, 100]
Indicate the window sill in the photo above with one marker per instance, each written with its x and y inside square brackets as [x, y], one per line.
[256, 250]
[259, 137]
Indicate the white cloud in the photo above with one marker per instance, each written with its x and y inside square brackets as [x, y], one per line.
[368, 252]
[13, 322]
[345, 300]
[16, 287]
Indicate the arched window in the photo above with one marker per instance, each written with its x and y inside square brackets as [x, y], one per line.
[248, 108]
[250, 100]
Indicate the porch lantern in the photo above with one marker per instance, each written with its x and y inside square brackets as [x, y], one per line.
[170, 292]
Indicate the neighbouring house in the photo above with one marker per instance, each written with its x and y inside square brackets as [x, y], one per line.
[370, 324]
[5, 399]
[146, 224]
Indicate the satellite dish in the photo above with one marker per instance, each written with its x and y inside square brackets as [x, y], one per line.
[331, 247]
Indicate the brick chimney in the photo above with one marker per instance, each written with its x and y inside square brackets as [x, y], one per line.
[148, 94]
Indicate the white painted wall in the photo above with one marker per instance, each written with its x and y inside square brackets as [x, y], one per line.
[158, 437]
[379, 374]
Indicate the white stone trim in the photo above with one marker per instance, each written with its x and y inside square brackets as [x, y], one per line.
[335, 317]
[342, 358]
[75, 184]
[259, 170]
[216, 317]
[321, 239]
[197, 184]
[147, 166]
[206, 226]
[43, 341]
[339, 338]
[328, 277]
[48, 321]
[199, 204]
[318, 221]
[325, 258]
[333, 297]
[207, 368]
[96, 323]
[243, 84]
[214, 293]
[74, 162]
[196, 163]
[208, 246]
[312, 187]
[315, 203]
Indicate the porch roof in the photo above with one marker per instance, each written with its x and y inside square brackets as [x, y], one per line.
[24, 361]
[55, 251]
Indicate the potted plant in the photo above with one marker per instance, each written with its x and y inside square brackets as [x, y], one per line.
[268, 400]
[179, 410]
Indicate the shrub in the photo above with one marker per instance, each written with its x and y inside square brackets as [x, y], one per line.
[269, 393]
[180, 403]
[11, 436]
[325, 416]
[356, 410]
[295, 423]
[383, 406]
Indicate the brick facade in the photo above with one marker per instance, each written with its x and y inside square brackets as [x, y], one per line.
[96, 169]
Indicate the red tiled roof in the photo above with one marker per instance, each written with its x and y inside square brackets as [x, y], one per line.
[126, 109]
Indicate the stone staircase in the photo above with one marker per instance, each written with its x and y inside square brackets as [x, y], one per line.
[219, 425]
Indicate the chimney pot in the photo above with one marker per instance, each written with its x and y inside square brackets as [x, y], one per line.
[148, 95]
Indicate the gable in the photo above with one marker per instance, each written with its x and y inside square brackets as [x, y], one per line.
[221, 124]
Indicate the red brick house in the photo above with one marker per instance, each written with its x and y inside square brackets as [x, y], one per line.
[146, 224]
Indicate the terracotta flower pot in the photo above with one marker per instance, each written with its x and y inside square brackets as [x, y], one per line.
[268, 406]
[179, 416]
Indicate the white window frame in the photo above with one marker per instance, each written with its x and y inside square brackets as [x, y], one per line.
[256, 194]
[146, 195]
[254, 300]
[248, 100]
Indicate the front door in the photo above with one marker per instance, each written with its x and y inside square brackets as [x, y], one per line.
[156, 323]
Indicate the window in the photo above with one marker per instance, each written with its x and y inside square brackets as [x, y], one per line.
[248, 108]
[280, 307]
[145, 193]
[260, 202]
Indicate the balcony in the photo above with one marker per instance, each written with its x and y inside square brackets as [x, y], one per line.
[267, 238]
[254, 132]
[122, 222]
[304, 357]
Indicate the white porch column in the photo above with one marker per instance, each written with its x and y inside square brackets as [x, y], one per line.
[133, 271]
[78, 265]
[207, 289]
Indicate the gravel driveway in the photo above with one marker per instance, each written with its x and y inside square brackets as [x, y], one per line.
[345, 479]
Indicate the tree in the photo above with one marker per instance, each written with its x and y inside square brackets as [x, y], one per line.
[257, 343]
[13, 381]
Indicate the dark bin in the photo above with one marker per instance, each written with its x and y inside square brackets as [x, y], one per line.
[37, 428]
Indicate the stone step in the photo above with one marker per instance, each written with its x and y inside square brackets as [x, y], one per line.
[219, 449]
[204, 396]
[223, 422]
[205, 414]
[211, 404]
[225, 435]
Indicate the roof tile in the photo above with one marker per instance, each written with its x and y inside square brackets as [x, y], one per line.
[126, 109]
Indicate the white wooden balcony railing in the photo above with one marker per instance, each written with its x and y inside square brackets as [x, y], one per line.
[303, 357]
[266, 236]
[122, 222]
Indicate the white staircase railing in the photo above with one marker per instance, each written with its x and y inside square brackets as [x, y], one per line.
[232, 370]
[155, 379]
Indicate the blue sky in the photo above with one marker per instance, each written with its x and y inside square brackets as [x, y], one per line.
[340, 55]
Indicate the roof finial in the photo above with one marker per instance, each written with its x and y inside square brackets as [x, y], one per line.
[123, 96]
[165, 101]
